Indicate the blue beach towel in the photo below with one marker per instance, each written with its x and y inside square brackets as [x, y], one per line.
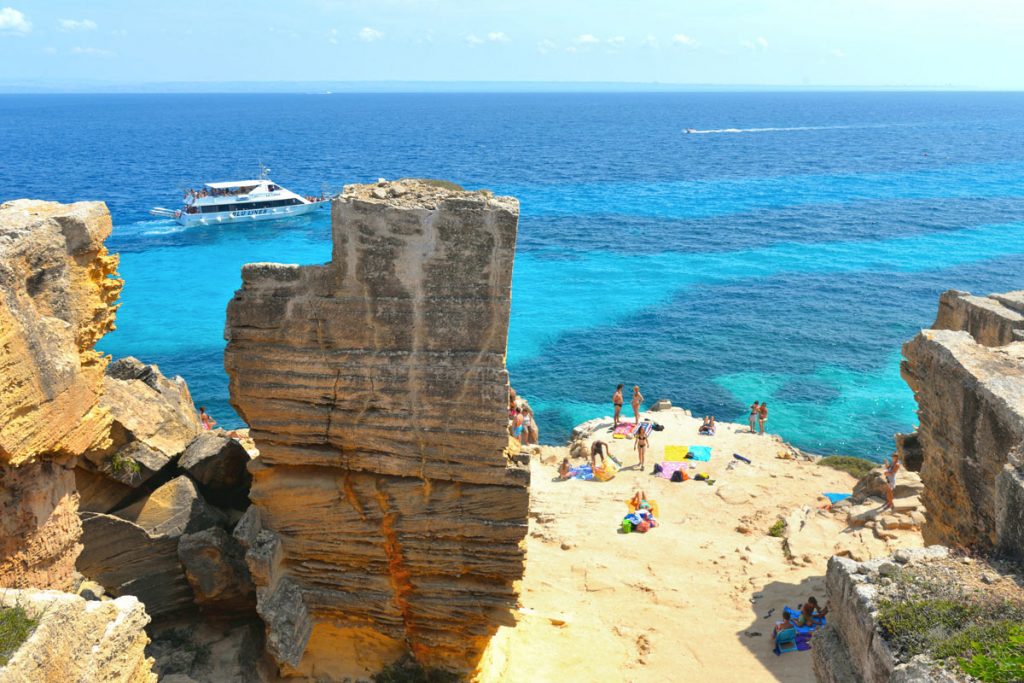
[584, 472]
[701, 453]
[836, 497]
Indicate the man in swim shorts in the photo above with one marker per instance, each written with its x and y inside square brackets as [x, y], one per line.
[617, 402]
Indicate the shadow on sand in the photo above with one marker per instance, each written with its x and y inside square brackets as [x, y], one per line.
[791, 666]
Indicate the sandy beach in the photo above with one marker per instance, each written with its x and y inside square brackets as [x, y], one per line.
[689, 599]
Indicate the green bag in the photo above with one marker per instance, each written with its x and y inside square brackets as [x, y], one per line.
[627, 526]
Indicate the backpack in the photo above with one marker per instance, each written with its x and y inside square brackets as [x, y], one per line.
[678, 476]
[703, 476]
[657, 468]
[643, 526]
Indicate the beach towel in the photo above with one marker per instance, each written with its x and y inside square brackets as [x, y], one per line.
[625, 430]
[836, 497]
[669, 466]
[584, 472]
[675, 453]
[647, 427]
[652, 503]
[701, 453]
[607, 472]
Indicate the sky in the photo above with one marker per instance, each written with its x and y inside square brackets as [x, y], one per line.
[846, 43]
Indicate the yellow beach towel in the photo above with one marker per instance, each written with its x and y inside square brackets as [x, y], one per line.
[676, 453]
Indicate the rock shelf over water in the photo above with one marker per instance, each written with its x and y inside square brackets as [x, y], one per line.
[386, 515]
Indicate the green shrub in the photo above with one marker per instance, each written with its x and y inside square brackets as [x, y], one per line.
[858, 467]
[778, 529]
[993, 652]
[122, 464]
[984, 639]
[15, 628]
[408, 670]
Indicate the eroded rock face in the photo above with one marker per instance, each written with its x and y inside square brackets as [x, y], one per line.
[79, 641]
[385, 515]
[970, 395]
[56, 300]
[993, 320]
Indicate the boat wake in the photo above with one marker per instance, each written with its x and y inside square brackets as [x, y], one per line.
[693, 131]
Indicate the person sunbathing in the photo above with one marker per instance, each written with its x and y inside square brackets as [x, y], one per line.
[639, 500]
[781, 626]
[708, 427]
[809, 611]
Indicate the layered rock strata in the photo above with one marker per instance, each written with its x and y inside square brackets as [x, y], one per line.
[79, 641]
[386, 516]
[970, 395]
[993, 320]
[851, 649]
[57, 294]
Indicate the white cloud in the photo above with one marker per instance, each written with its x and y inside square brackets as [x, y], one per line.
[13, 21]
[368, 35]
[838, 53]
[587, 39]
[545, 46]
[683, 39]
[763, 42]
[649, 41]
[473, 40]
[617, 41]
[68, 25]
[498, 37]
[91, 52]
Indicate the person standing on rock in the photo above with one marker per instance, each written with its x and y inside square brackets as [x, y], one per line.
[754, 411]
[205, 418]
[762, 415]
[617, 402]
[638, 398]
[890, 480]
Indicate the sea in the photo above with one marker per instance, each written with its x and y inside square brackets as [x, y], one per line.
[781, 251]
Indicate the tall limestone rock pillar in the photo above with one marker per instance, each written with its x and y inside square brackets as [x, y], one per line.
[57, 298]
[386, 516]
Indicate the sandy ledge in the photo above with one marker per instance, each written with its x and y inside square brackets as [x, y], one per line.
[679, 602]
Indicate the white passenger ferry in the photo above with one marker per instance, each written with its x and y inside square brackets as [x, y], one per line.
[241, 200]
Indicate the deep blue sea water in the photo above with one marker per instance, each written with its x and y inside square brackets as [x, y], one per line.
[786, 262]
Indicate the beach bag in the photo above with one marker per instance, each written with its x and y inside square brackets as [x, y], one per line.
[658, 428]
[643, 527]
[679, 475]
[627, 526]
[703, 476]
[657, 468]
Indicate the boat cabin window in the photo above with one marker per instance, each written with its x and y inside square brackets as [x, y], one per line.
[272, 187]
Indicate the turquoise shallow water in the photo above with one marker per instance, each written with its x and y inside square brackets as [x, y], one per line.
[785, 265]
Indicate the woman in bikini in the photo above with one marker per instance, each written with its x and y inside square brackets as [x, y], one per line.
[638, 398]
[762, 415]
[617, 402]
[640, 443]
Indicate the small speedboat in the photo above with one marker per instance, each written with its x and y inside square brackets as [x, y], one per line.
[691, 130]
[241, 200]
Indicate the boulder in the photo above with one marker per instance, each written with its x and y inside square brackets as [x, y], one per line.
[174, 509]
[98, 492]
[79, 641]
[149, 409]
[219, 465]
[127, 560]
[214, 564]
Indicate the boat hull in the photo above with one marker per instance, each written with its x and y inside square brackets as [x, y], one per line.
[249, 215]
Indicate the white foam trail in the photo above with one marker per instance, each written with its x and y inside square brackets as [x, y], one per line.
[765, 130]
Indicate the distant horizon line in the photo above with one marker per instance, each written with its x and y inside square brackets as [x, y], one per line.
[94, 87]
